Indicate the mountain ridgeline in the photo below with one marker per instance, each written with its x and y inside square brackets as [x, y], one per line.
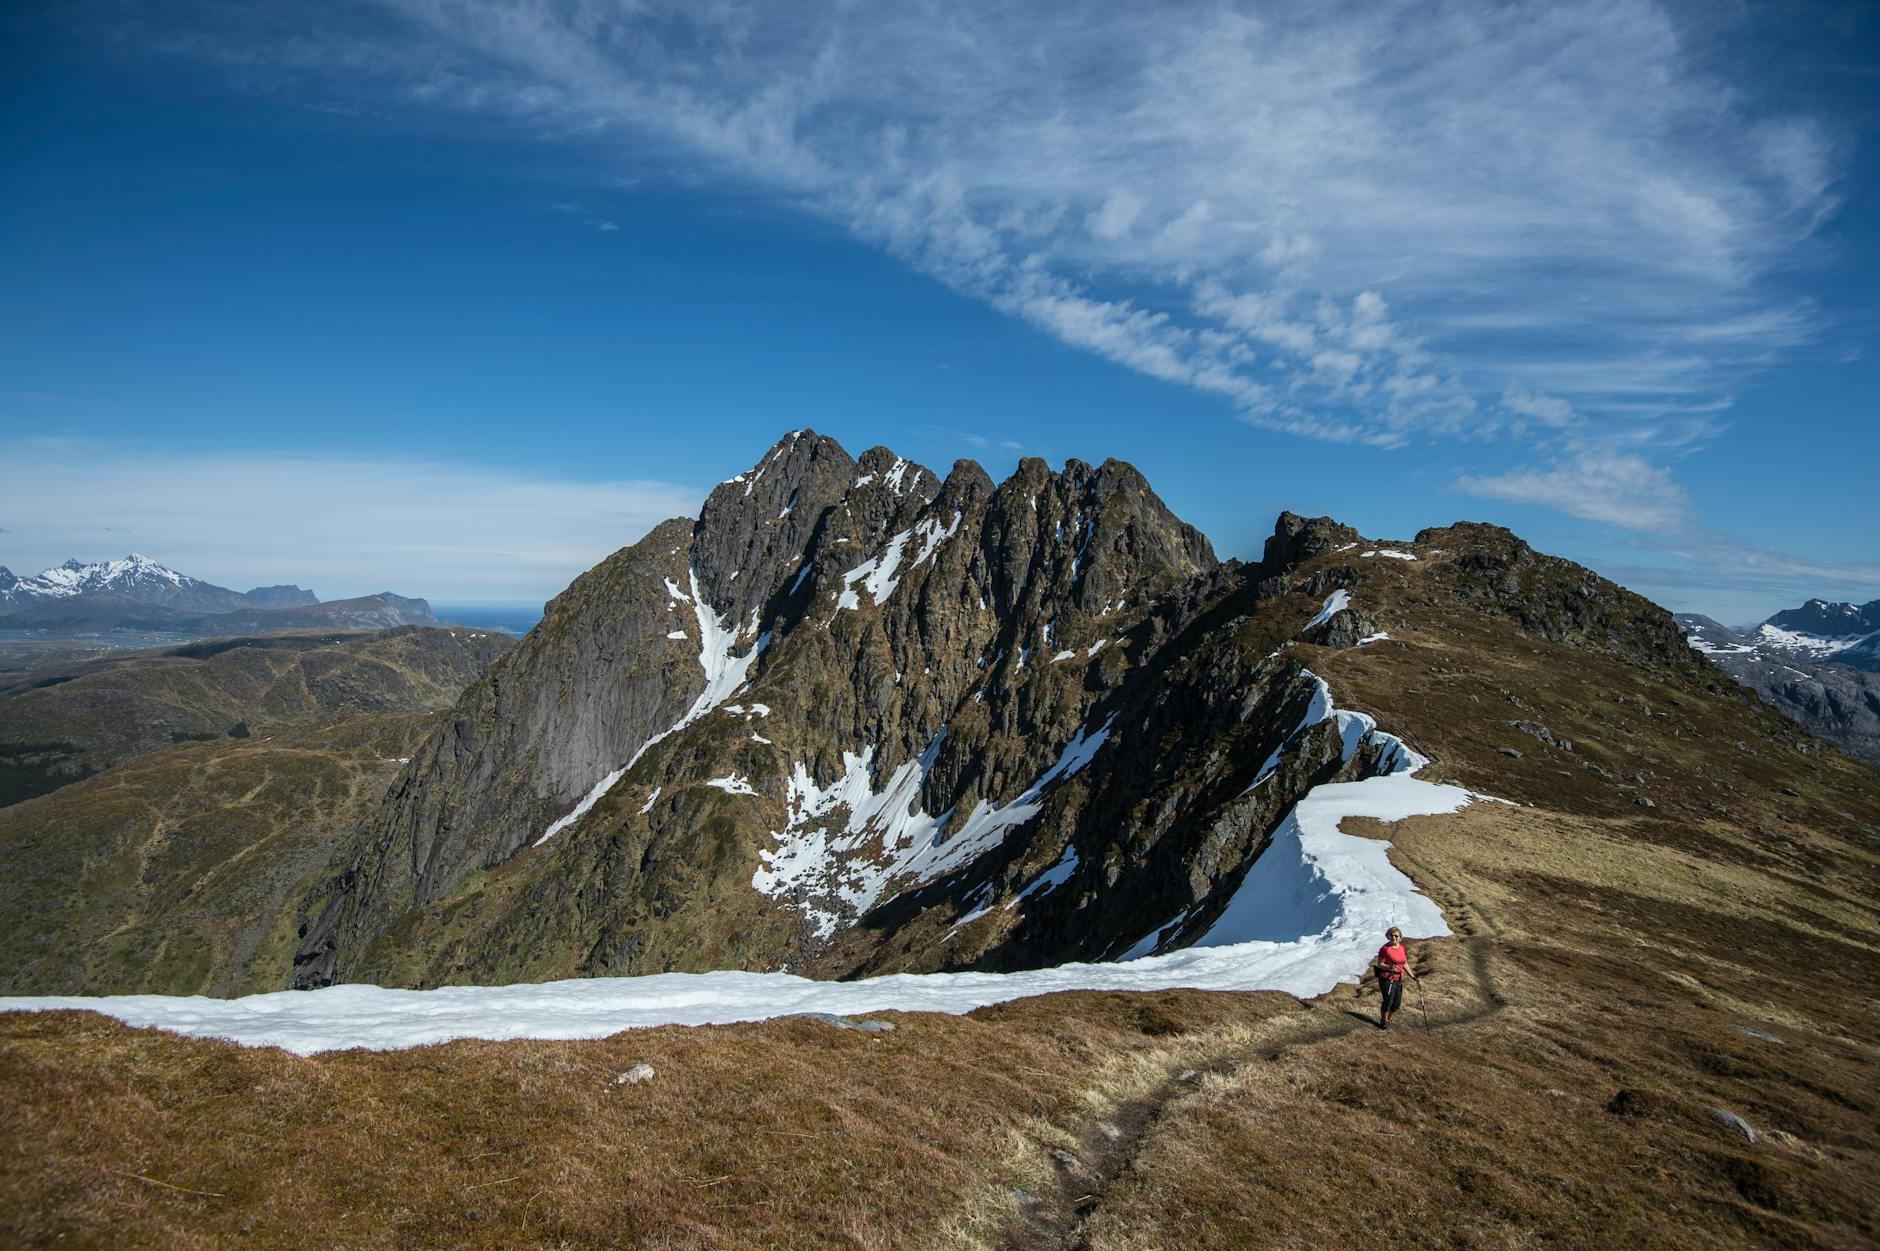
[140, 595]
[855, 718]
[1819, 665]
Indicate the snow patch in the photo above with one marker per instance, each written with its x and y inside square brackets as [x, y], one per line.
[1342, 887]
[881, 574]
[1392, 554]
[587, 801]
[1812, 644]
[834, 870]
[725, 673]
[1050, 879]
[733, 784]
[1335, 603]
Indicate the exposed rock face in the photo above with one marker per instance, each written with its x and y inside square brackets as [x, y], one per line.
[857, 718]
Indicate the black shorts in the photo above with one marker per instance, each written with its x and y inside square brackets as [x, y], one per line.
[1392, 992]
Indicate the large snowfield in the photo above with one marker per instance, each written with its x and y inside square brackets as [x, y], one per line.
[1311, 913]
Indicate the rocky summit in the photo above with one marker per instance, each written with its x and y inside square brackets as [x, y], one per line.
[858, 718]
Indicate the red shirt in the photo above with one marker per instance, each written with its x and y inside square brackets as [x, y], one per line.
[1392, 962]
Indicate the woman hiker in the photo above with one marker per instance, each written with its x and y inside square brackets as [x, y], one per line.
[1390, 965]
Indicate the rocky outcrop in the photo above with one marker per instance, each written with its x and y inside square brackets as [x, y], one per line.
[1555, 599]
[857, 718]
[285, 596]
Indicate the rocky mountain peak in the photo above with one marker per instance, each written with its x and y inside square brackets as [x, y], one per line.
[855, 718]
[1829, 620]
[754, 527]
[1296, 540]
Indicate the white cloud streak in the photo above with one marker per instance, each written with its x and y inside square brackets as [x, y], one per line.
[1597, 484]
[1221, 196]
[1383, 221]
[341, 526]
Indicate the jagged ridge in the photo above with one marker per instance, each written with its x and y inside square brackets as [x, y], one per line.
[834, 721]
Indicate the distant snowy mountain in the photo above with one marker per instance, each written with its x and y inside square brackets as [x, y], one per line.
[136, 578]
[141, 595]
[1820, 619]
[1819, 664]
[1817, 631]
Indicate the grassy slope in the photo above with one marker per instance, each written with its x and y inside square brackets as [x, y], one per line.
[1603, 947]
[85, 717]
[178, 872]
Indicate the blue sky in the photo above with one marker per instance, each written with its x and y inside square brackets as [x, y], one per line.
[453, 298]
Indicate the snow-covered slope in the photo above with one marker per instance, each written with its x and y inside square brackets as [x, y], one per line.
[1305, 918]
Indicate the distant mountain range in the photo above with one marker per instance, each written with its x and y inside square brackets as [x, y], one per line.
[1819, 664]
[137, 594]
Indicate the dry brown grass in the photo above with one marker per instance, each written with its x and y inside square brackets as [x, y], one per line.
[1587, 1021]
[790, 1133]
[1499, 1133]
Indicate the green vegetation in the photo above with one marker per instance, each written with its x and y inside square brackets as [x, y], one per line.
[29, 769]
[104, 711]
[181, 872]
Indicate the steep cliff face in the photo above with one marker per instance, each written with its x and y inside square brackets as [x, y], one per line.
[856, 718]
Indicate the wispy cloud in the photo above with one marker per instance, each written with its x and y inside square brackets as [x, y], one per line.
[1315, 213]
[1597, 484]
[582, 215]
[1381, 221]
[342, 525]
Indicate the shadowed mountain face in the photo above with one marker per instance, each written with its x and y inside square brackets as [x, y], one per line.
[858, 718]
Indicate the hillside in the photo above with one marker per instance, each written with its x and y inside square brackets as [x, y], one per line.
[179, 870]
[1620, 980]
[61, 722]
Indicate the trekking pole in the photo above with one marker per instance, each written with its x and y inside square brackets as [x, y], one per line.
[1422, 1006]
